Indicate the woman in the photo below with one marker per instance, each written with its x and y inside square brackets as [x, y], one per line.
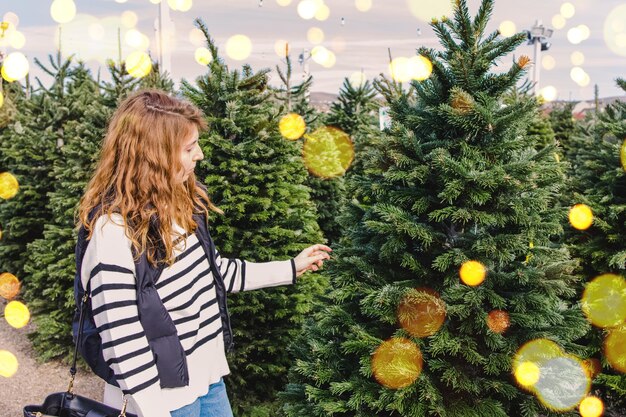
[144, 211]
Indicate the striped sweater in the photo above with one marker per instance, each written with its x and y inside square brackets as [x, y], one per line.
[187, 289]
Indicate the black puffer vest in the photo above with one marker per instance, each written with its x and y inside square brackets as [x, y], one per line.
[158, 326]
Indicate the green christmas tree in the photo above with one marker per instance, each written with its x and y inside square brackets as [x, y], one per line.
[258, 179]
[13, 96]
[29, 149]
[563, 125]
[295, 98]
[356, 112]
[599, 181]
[327, 193]
[457, 180]
[122, 83]
[540, 131]
[51, 265]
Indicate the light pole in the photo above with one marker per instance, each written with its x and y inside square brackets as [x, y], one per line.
[163, 27]
[538, 37]
[303, 60]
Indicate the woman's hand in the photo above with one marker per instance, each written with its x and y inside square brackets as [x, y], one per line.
[311, 258]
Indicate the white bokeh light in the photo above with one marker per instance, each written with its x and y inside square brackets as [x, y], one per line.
[307, 9]
[507, 28]
[577, 58]
[568, 10]
[558, 21]
[548, 62]
[548, 93]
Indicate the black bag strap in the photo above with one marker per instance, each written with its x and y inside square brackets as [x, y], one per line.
[81, 320]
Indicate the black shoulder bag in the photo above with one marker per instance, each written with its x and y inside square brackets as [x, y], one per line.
[68, 404]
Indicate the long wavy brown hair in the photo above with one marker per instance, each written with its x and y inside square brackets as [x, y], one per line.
[136, 174]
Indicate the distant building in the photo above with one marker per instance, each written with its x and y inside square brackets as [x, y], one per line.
[322, 101]
[584, 107]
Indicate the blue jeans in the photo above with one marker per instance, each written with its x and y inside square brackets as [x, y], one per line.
[214, 404]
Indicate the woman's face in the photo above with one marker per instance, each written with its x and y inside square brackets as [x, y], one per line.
[190, 153]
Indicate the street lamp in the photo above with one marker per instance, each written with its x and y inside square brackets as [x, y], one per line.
[538, 36]
[303, 60]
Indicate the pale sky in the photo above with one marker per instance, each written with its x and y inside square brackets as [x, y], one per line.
[360, 43]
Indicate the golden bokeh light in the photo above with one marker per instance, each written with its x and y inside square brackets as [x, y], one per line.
[196, 37]
[8, 185]
[357, 79]
[584, 31]
[5, 76]
[593, 367]
[615, 30]
[63, 11]
[129, 19]
[9, 286]
[330, 61]
[363, 5]
[615, 348]
[18, 40]
[558, 21]
[622, 154]
[104, 31]
[568, 10]
[498, 321]
[399, 69]
[133, 38]
[15, 66]
[536, 351]
[292, 126]
[96, 31]
[16, 314]
[138, 64]
[577, 58]
[548, 62]
[397, 363]
[283, 3]
[328, 152]
[421, 312]
[575, 35]
[529, 356]
[307, 9]
[180, 5]
[420, 67]
[238, 47]
[203, 56]
[8, 364]
[559, 380]
[427, 10]
[12, 18]
[155, 1]
[472, 273]
[281, 47]
[604, 301]
[548, 93]
[1, 101]
[404, 69]
[322, 13]
[315, 35]
[581, 217]
[507, 28]
[323, 56]
[527, 374]
[591, 407]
